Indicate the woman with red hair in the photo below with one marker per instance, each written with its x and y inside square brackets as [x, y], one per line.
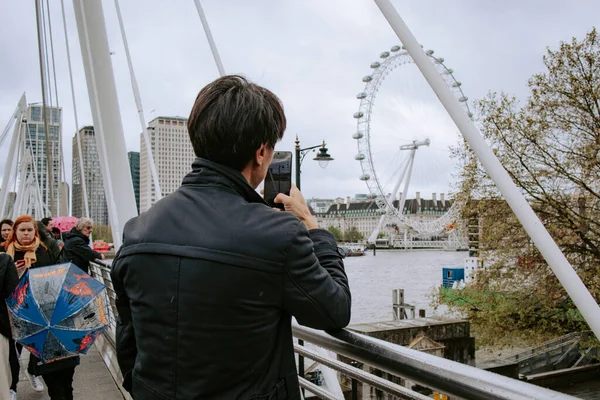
[28, 251]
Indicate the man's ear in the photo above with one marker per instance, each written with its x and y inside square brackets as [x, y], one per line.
[259, 157]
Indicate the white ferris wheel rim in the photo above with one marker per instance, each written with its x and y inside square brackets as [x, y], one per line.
[393, 59]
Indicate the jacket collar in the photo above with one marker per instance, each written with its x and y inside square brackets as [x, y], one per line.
[75, 233]
[208, 172]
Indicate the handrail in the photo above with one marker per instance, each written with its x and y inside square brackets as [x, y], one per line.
[437, 373]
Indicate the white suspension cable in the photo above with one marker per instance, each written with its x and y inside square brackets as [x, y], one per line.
[138, 103]
[211, 41]
[58, 113]
[8, 125]
[83, 183]
[39, 21]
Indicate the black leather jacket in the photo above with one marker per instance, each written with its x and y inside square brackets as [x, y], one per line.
[77, 250]
[8, 282]
[208, 281]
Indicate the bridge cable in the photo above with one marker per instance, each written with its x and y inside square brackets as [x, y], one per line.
[209, 37]
[82, 175]
[140, 109]
[61, 165]
[44, 113]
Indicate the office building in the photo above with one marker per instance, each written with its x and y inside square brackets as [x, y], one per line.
[36, 146]
[98, 210]
[134, 168]
[173, 157]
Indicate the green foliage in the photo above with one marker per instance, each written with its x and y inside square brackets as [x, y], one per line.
[337, 233]
[353, 235]
[550, 146]
[102, 232]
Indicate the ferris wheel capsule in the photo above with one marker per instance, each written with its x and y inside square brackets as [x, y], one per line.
[463, 99]
[359, 157]
[375, 64]
[358, 115]
[361, 95]
[428, 52]
[385, 54]
[365, 177]
[396, 48]
[456, 84]
[357, 135]
[367, 78]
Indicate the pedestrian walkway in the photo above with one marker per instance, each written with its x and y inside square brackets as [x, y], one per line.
[92, 381]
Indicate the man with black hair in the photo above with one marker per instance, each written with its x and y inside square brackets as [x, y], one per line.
[47, 237]
[208, 279]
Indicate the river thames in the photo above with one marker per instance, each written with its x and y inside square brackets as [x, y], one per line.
[372, 279]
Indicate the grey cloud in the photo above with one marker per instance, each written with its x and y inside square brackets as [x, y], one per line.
[311, 53]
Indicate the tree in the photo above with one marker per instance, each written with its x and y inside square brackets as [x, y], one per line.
[102, 232]
[353, 235]
[550, 146]
[337, 233]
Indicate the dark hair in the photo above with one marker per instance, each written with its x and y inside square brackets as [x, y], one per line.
[7, 222]
[231, 118]
[46, 221]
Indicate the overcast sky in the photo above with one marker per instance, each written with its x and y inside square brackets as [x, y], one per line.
[311, 53]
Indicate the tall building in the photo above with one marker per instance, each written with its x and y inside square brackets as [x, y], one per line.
[173, 156]
[64, 199]
[134, 168]
[98, 210]
[35, 139]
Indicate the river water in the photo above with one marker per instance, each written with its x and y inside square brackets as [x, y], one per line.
[372, 279]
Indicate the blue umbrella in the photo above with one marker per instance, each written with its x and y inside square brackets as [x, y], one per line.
[57, 311]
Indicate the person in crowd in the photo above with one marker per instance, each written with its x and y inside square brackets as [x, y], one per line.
[48, 239]
[208, 279]
[5, 229]
[27, 250]
[77, 245]
[8, 281]
[58, 237]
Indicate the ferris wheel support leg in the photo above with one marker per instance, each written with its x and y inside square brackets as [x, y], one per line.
[517, 202]
[404, 192]
[104, 103]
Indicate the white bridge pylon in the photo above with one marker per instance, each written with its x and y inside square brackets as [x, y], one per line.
[20, 170]
[404, 176]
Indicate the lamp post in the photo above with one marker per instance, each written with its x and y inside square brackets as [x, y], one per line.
[322, 157]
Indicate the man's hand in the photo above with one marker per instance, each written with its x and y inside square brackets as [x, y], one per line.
[296, 204]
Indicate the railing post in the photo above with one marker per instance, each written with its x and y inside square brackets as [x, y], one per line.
[301, 364]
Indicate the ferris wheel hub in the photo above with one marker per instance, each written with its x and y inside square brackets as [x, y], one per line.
[416, 144]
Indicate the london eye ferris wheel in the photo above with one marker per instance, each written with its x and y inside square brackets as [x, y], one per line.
[404, 143]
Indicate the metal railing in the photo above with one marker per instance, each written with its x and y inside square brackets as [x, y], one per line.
[436, 373]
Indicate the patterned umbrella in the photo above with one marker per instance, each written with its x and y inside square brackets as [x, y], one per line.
[64, 223]
[57, 311]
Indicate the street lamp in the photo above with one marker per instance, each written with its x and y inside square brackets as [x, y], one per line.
[322, 157]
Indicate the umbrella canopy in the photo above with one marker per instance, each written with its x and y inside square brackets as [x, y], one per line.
[57, 311]
[64, 223]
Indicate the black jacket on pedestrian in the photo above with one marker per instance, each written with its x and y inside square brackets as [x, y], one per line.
[8, 282]
[77, 250]
[207, 282]
[49, 241]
